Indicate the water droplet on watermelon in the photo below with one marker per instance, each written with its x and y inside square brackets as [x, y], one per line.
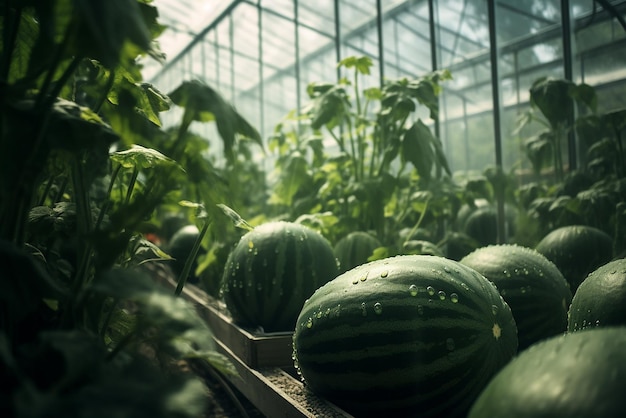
[454, 298]
[319, 313]
[378, 308]
[450, 344]
[430, 290]
[420, 309]
[413, 290]
[363, 309]
[494, 309]
[309, 323]
[355, 281]
[327, 313]
[442, 295]
[384, 274]
[506, 273]
[446, 269]
[465, 286]
[597, 322]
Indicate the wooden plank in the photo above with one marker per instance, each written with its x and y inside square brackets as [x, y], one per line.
[255, 350]
[276, 393]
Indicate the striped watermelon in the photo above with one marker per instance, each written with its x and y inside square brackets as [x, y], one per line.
[404, 336]
[534, 288]
[577, 250]
[575, 375]
[272, 270]
[354, 249]
[600, 298]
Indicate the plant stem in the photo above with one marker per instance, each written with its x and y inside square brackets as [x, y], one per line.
[418, 223]
[191, 258]
[131, 185]
[107, 202]
[10, 31]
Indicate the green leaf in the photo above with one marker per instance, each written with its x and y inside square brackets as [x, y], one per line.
[141, 157]
[417, 149]
[539, 150]
[553, 98]
[204, 104]
[104, 28]
[328, 108]
[360, 64]
[586, 94]
[238, 221]
[293, 177]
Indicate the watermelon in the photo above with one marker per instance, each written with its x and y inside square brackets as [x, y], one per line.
[272, 270]
[600, 300]
[577, 250]
[482, 225]
[534, 288]
[578, 374]
[404, 336]
[354, 249]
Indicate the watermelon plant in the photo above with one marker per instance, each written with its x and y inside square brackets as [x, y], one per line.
[272, 270]
[583, 195]
[533, 287]
[80, 176]
[599, 300]
[404, 336]
[576, 250]
[573, 375]
[360, 154]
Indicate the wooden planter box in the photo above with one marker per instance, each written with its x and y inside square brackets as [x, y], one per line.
[266, 375]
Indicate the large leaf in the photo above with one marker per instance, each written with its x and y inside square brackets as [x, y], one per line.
[204, 104]
[539, 149]
[417, 148]
[140, 157]
[294, 176]
[104, 28]
[553, 97]
[328, 107]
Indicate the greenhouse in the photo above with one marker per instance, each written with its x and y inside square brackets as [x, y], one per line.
[288, 208]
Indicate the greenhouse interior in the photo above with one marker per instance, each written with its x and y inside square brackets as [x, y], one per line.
[288, 208]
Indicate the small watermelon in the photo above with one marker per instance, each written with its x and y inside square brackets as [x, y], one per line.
[272, 270]
[410, 335]
[600, 300]
[534, 288]
[354, 249]
[575, 375]
[577, 250]
[179, 247]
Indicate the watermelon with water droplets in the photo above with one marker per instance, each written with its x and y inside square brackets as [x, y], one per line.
[577, 250]
[272, 270]
[410, 335]
[576, 375]
[534, 288]
[354, 249]
[600, 300]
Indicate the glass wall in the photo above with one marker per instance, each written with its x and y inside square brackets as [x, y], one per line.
[262, 54]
